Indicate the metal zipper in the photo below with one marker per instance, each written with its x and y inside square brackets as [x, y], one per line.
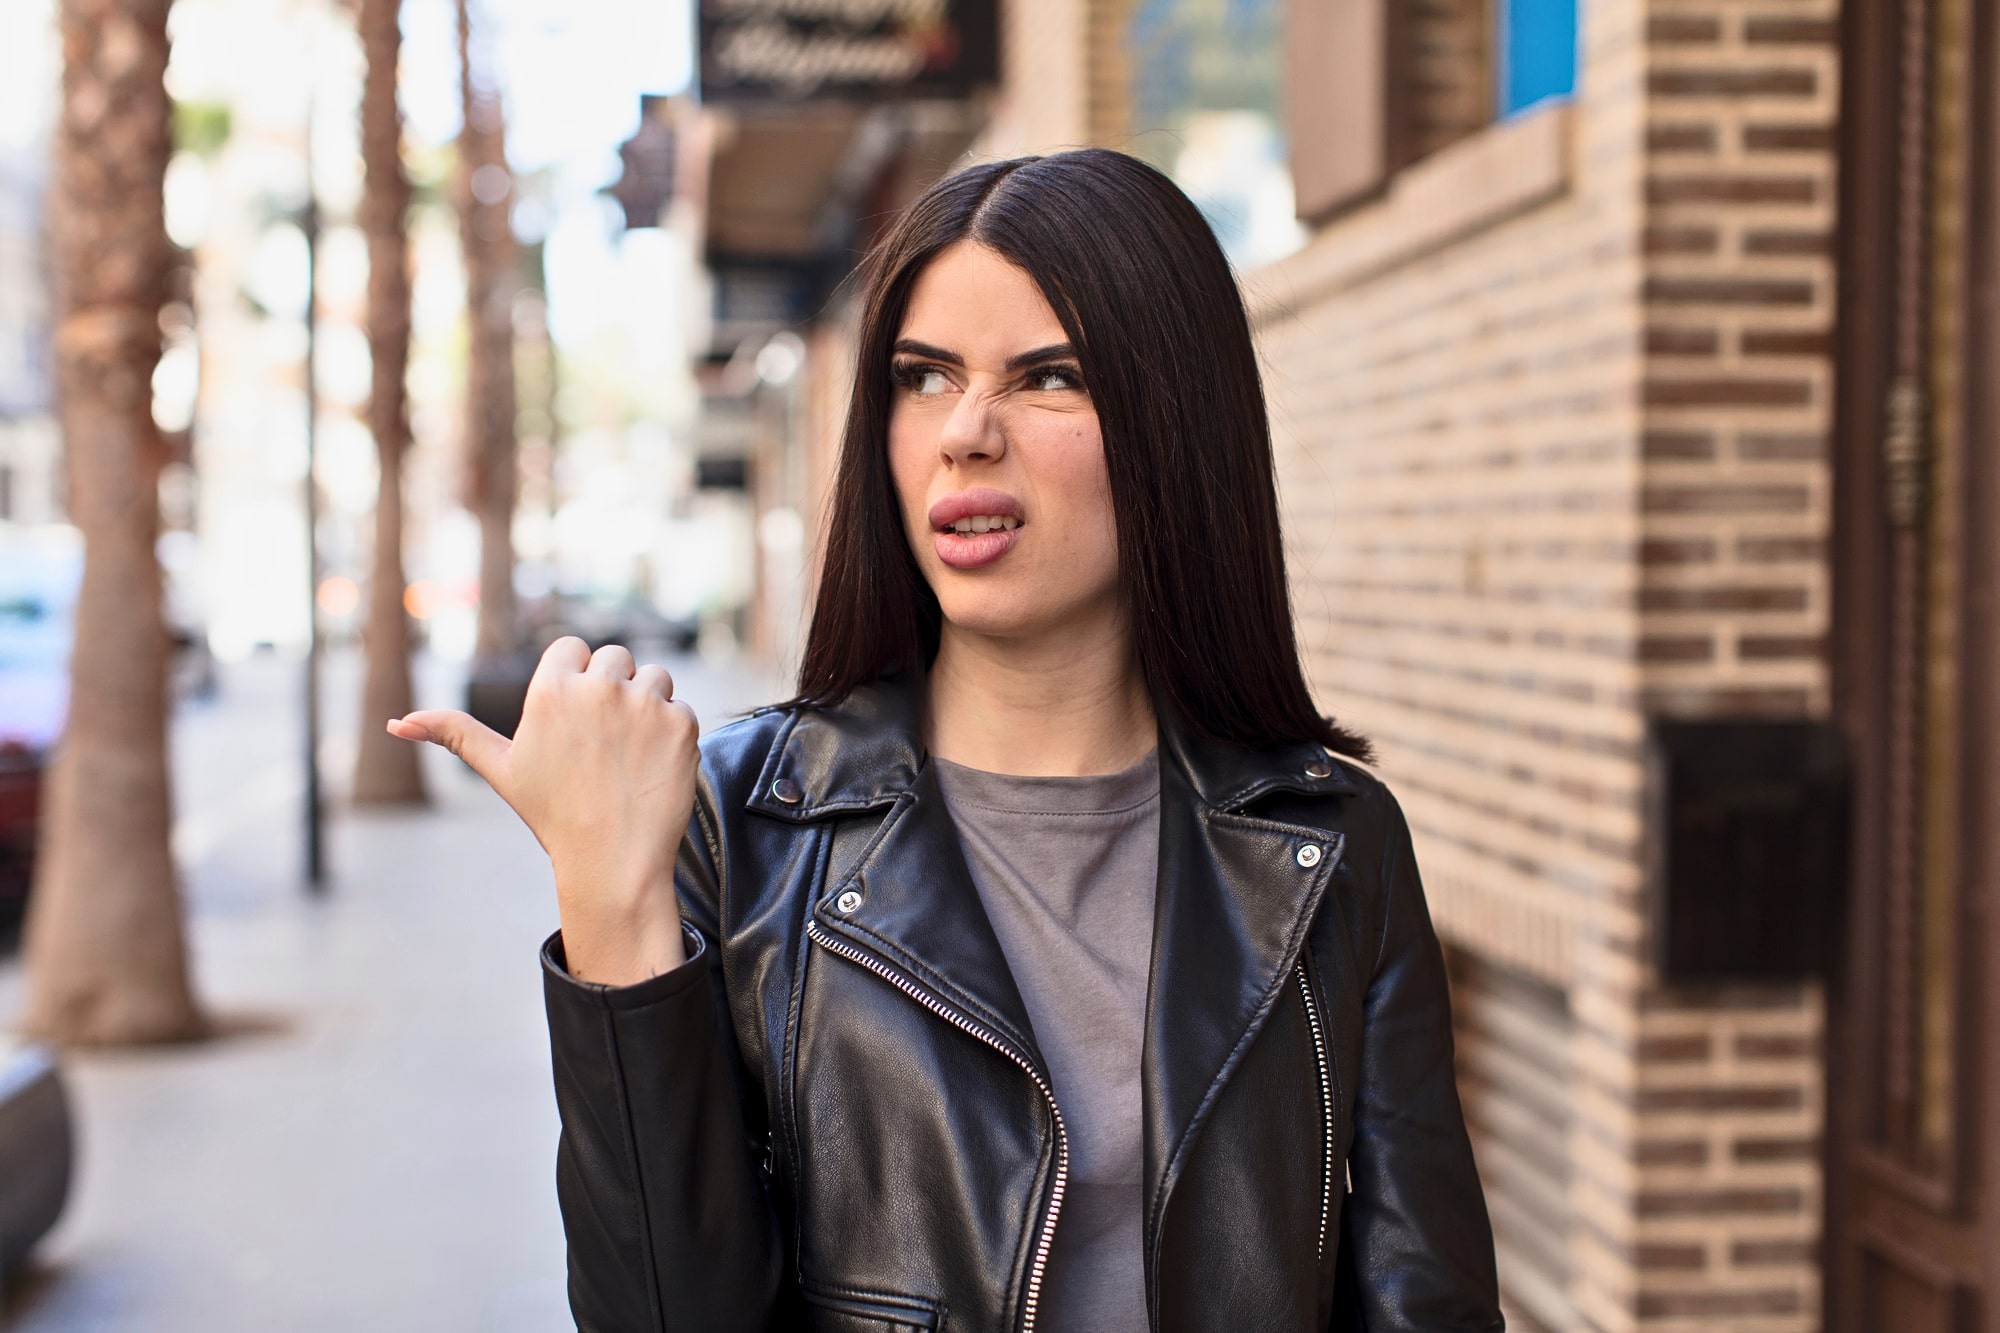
[1325, 1101]
[964, 1024]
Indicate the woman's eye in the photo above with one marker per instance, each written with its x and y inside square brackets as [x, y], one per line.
[925, 381]
[1055, 379]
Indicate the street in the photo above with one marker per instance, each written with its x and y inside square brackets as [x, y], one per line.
[370, 1142]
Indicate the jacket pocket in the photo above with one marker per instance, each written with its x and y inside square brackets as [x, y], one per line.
[848, 1311]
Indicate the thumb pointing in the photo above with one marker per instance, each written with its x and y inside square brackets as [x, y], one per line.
[483, 749]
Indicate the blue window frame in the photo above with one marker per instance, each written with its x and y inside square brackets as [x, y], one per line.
[1537, 44]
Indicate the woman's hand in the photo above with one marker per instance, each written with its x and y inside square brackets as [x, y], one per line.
[602, 770]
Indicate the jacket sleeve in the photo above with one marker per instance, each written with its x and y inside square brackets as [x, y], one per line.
[657, 1170]
[1416, 1223]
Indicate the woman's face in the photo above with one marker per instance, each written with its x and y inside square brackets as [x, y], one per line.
[997, 458]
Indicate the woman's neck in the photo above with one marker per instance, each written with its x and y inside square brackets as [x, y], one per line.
[1065, 705]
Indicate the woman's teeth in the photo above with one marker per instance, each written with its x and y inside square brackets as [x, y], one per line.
[986, 523]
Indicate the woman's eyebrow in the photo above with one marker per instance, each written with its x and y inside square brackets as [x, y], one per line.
[1053, 352]
[928, 352]
[1033, 357]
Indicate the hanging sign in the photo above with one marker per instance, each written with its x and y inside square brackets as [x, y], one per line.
[853, 50]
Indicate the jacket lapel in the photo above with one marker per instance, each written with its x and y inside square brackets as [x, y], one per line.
[910, 900]
[1235, 901]
[919, 910]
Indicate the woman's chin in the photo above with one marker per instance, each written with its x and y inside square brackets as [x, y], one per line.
[986, 616]
[988, 613]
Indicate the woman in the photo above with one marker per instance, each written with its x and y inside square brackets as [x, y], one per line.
[1043, 964]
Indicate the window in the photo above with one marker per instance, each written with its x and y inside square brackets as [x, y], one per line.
[1374, 85]
[1536, 43]
[1204, 108]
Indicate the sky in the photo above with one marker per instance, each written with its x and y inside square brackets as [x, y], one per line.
[572, 75]
[28, 72]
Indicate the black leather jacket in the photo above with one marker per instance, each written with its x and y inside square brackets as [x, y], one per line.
[834, 1115]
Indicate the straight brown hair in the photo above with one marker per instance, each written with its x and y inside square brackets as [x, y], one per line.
[1141, 287]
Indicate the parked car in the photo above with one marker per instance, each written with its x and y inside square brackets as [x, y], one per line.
[191, 668]
[41, 569]
[497, 686]
[37, 1148]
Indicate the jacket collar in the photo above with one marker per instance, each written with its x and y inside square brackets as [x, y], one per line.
[1237, 894]
[867, 751]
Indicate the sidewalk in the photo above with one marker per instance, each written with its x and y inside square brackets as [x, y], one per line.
[374, 1150]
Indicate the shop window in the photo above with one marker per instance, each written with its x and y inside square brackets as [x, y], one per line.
[1375, 85]
[1205, 108]
[1537, 50]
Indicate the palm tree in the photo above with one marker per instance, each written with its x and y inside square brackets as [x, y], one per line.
[106, 955]
[386, 769]
[492, 261]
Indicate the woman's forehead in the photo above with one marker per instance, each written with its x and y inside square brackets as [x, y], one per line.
[976, 302]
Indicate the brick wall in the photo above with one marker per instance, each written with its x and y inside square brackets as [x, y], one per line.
[1743, 99]
[1457, 430]
[1739, 316]
[1514, 1075]
[1457, 454]
[1728, 1113]
[1553, 461]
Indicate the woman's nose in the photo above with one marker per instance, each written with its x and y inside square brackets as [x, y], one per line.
[973, 431]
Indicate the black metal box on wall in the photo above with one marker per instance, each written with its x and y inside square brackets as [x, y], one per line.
[1748, 848]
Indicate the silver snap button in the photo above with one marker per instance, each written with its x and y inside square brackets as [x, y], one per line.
[1319, 768]
[1309, 855]
[848, 901]
[787, 791]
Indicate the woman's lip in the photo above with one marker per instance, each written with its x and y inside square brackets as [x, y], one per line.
[970, 550]
[972, 503]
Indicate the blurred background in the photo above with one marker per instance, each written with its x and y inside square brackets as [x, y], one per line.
[1631, 365]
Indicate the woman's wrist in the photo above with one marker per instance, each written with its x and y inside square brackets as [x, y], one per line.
[625, 945]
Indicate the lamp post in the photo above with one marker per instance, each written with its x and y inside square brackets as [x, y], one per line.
[309, 224]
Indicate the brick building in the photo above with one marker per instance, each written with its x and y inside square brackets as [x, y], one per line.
[1553, 406]
[1651, 387]
[1582, 415]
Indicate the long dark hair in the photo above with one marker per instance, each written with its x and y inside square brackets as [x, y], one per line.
[1143, 291]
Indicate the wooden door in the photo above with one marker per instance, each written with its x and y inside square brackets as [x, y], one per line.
[1913, 1157]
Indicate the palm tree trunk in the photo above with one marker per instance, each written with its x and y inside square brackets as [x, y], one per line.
[106, 955]
[386, 769]
[492, 261]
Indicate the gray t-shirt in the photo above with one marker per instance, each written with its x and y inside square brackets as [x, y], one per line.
[1067, 869]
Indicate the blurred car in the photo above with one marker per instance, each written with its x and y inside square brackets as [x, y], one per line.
[631, 620]
[497, 686]
[41, 569]
[37, 1148]
[191, 669]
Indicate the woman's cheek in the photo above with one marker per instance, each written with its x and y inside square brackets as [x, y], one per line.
[911, 477]
[1092, 490]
